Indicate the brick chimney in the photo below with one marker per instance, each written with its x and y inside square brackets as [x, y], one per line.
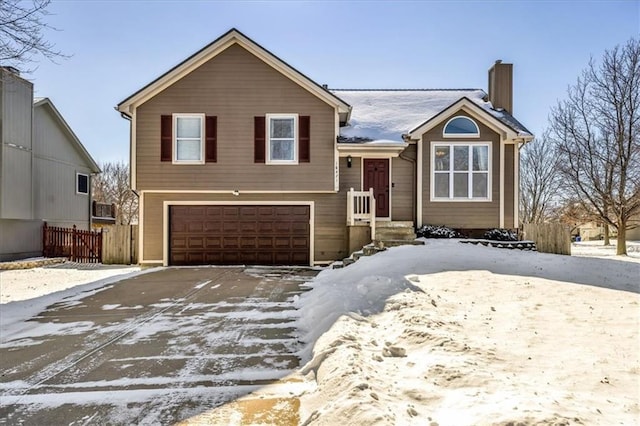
[501, 86]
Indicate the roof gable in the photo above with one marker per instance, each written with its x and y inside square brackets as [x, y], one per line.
[380, 115]
[53, 112]
[494, 119]
[213, 49]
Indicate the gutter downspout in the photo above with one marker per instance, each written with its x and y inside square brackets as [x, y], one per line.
[414, 195]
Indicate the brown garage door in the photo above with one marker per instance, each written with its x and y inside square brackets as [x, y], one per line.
[233, 235]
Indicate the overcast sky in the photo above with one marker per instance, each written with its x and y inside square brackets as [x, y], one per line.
[117, 47]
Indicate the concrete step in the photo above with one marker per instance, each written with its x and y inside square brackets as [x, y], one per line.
[394, 224]
[395, 234]
[395, 243]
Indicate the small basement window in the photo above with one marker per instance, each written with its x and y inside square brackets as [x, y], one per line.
[82, 184]
[461, 127]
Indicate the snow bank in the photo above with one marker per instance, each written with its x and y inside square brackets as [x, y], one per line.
[458, 334]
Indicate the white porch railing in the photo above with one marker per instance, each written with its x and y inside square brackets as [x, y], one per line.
[361, 207]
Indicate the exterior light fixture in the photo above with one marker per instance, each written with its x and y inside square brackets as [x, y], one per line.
[349, 161]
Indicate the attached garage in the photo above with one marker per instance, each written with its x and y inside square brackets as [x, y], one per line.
[239, 234]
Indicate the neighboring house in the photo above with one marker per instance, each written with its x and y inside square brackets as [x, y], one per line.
[45, 172]
[239, 158]
[102, 215]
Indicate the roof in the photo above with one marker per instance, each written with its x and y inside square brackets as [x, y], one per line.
[46, 102]
[231, 37]
[388, 114]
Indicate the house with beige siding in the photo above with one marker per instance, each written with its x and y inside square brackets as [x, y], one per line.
[45, 171]
[239, 158]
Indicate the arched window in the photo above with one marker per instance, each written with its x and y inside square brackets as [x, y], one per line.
[461, 127]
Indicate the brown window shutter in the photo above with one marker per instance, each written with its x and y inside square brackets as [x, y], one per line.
[166, 137]
[259, 129]
[304, 137]
[211, 147]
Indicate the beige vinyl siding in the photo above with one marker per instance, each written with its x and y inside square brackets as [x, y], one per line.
[459, 214]
[329, 227]
[350, 177]
[235, 86]
[403, 185]
[16, 157]
[509, 187]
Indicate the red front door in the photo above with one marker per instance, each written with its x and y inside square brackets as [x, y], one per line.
[376, 176]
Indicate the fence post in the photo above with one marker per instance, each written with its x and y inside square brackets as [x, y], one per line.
[73, 244]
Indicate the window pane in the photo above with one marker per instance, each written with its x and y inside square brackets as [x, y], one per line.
[461, 185]
[188, 150]
[83, 184]
[441, 185]
[442, 158]
[188, 127]
[282, 150]
[461, 158]
[480, 185]
[481, 158]
[282, 128]
[461, 125]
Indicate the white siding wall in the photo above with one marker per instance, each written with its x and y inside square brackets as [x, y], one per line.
[20, 239]
[16, 171]
[56, 163]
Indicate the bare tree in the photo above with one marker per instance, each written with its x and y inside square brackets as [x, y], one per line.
[539, 182]
[22, 24]
[597, 135]
[112, 186]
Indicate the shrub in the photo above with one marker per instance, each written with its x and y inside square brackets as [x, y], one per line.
[435, 231]
[500, 235]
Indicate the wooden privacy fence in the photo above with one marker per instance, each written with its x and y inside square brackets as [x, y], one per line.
[549, 237]
[120, 244]
[75, 244]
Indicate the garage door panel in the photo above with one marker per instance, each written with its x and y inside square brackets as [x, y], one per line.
[230, 243]
[179, 243]
[265, 227]
[195, 243]
[264, 242]
[211, 225]
[282, 242]
[213, 242]
[248, 243]
[248, 227]
[243, 234]
[299, 243]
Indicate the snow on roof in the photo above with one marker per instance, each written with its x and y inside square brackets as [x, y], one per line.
[388, 114]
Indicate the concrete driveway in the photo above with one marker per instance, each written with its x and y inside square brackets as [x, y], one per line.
[159, 348]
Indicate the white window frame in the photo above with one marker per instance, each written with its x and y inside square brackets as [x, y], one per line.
[174, 142]
[461, 135]
[451, 172]
[268, 118]
[78, 184]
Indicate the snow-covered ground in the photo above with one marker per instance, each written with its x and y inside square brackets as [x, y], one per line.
[455, 334]
[22, 284]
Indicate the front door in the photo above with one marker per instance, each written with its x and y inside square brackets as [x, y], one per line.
[376, 176]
